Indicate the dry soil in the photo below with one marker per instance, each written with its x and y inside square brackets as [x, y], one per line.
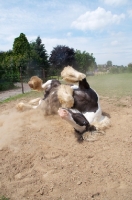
[40, 158]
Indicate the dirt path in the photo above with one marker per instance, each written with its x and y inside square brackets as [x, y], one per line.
[10, 93]
[40, 158]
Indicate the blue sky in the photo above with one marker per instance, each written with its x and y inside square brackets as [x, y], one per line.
[101, 27]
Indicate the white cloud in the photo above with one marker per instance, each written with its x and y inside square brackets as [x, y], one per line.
[97, 19]
[114, 43]
[69, 34]
[130, 13]
[15, 20]
[115, 2]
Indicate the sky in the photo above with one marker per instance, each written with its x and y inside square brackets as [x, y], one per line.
[101, 27]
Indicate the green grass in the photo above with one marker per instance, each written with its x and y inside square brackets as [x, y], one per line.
[4, 198]
[112, 85]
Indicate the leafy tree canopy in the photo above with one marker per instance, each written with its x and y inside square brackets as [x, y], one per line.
[2, 56]
[21, 45]
[84, 60]
[6, 59]
[109, 63]
[39, 56]
[62, 56]
[130, 67]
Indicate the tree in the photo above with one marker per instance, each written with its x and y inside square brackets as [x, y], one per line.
[109, 63]
[2, 55]
[38, 57]
[62, 56]
[130, 67]
[39, 53]
[114, 70]
[122, 69]
[84, 60]
[21, 52]
[21, 45]
[8, 71]
[2, 71]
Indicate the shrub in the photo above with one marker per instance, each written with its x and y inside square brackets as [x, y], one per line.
[4, 85]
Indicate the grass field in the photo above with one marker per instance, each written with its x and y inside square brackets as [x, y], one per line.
[112, 85]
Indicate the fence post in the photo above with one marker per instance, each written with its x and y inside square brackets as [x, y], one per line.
[21, 80]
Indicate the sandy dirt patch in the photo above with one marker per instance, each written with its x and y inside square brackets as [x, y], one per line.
[40, 158]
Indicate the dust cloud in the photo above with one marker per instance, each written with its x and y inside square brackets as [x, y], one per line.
[12, 124]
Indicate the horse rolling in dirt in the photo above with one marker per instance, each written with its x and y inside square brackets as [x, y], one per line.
[77, 104]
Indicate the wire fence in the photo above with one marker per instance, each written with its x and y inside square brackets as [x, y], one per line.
[10, 80]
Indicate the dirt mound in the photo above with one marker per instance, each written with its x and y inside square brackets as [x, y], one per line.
[40, 158]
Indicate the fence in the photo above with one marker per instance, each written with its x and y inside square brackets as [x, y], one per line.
[12, 80]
